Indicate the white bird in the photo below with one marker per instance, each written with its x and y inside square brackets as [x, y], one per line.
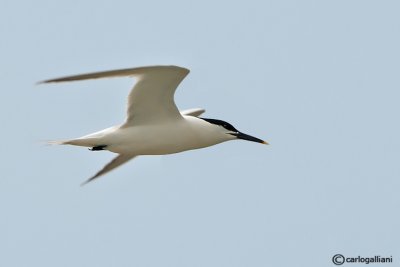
[154, 125]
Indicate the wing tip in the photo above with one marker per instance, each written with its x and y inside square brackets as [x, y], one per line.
[41, 82]
[87, 181]
[98, 174]
[196, 112]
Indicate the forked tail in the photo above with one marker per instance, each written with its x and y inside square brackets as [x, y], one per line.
[85, 142]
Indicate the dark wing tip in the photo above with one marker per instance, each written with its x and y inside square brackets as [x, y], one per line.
[41, 82]
[88, 181]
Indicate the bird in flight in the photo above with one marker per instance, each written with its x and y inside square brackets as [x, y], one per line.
[154, 125]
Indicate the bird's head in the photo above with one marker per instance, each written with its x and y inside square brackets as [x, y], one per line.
[232, 133]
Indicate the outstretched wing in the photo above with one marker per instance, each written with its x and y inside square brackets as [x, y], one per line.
[152, 98]
[116, 162]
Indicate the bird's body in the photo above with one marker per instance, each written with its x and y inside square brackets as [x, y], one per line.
[154, 125]
[154, 139]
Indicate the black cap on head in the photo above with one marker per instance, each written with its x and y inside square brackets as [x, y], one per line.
[224, 124]
[234, 131]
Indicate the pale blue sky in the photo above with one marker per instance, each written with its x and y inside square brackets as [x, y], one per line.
[319, 80]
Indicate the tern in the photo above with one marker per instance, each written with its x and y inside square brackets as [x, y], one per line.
[154, 125]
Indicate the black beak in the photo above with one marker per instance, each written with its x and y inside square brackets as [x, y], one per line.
[247, 137]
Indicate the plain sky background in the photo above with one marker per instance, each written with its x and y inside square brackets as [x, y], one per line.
[319, 80]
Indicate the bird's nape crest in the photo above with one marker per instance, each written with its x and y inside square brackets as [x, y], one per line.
[222, 123]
